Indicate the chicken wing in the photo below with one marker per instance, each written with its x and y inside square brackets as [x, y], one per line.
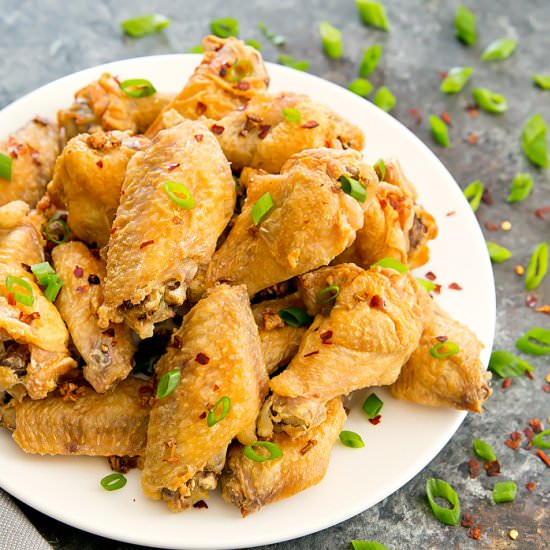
[250, 485]
[102, 104]
[312, 220]
[88, 178]
[270, 129]
[184, 454]
[458, 380]
[83, 422]
[156, 246]
[229, 74]
[368, 335]
[32, 150]
[108, 353]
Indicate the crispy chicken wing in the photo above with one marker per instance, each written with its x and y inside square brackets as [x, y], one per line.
[251, 485]
[229, 74]
[108, 353]
[88, 178]
[103, 104]
[262, 136]
[83, 422]
[457, 381]
[312, 220]
[184, 455]
[33, 150]
[156, 246]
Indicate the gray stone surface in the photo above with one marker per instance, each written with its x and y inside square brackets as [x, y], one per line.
[40, 41]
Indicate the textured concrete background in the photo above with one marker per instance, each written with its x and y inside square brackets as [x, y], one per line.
[41, 41]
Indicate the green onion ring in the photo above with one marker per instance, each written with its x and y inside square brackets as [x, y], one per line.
[484, 450]
[294, 316]
[168, 383]
[225, 404]
[525, 343]
[66, 231]
[391, 263]
[327, 294]
[179, 193]
[439, 488]
[27, 299]
[5, 166]
[274, 451]
[351, 439]
[451, 347]
[372, 405]
[504, 491]
[113, 482]
[137, 87]
[537, 268]
[240, 70]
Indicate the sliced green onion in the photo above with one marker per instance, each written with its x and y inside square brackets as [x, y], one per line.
[490, 101]
[224, 27]
[262, 207]
[213, 417]
[428, 285]
[50, 226]
[535, 341]
[456, 80]
[380, 168]
[144, 25]
[465, 25]
[289, 61]
[179, 193]
[371, 57]
[331, 38]
[520, 188]
[361, 87]
[42, 272]
[392, 263]
[542, 81]
[537, 268]
[499, 49]
[327, 294]
[274, 38]
[137, 87]
[274, 451]
[437, 488]
[497, 253]
[474, 192]
[240, 70]
[53, 287]
[384, 99]
[353, 188]
[5, 167]
[292, 115]
[25, 298]
[196, 49]
[439, 131]
[113, 482]
[484, 450]
[373, 14]
[351, 439]
[372, 405]
[539, 441]
[255, 44]
[507, 365]
[444, 349]
[533, 140]
[504, 491]
[294, 317]
[168, 383]
[367, 545]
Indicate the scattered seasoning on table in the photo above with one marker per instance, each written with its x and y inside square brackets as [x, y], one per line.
[467, 521]
[541, 212]
[513, 534]
[506, 383]
[474, 468]
[530, 486]
[475, 532]
[492, 468]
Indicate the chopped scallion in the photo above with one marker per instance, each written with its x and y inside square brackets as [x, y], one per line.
[52, 228]
[42, 272]
[24, 298]
[507, 365]
[535, 341]
[499, 49]
[539, 441]
[289, 61]
[439, 131]
[274, 38]
[294, 317]
[533, 140]
[504, 491]
[196, 49]
[473, 192]
[542, 81]
[456, 80]
[520, 188]
[224, 27]
[5, 167]
[53, 287]
[353, 188]
[537, 268]
[444, 349]
[380, 169]
[437, 488]
[384, 99]
[240, 70]
[168, 383]
[219, 411]
[274, 451]
[428, 285]
[484, 450]
[373, 14]
[179, 194]
[497, 253]
[367, 545]
[327, 294]
[361, 87]
[255, 44]
[391, 263]
[465, 25]
[292, 115]
[113, 482]
[144, 25]
[490, 101]
[262, 207]
[331, 39]
[371, 57]
[137, 87]
[372, 405]
[351, 439]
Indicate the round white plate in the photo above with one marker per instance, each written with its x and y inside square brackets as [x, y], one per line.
[407, 439]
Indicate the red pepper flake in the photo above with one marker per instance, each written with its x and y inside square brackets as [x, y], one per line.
[173, 166]
[28, 318]
[199, 137]
[473, 469]
[200, 108]
[326, 336]
[113, 230]
[215, 387]
[243, 85]
[99, 163]
[487, 197]
[430, 276]
[475, 532]
[437, 289]
[26, 267]
[202, 415]
[546, 388]
[506, 383]
[530, 486]
[311, 353]
[78, 271]
[530, 375]
[11, 299]
[512, 444]
[109, 332]
[543, 457]
[451, 213]
[531, 300]
[543, 309]
[446, 118]
[492, 468]
[442, 74]
[536, 424]
[202, 358]
[217, 129]
[472, 138]
[146, 243]
[441, 338]
[455, 286]
[200, 504]
[263, 129]
[310, 124]
[529, 433]
[472, 110]
[541, 212]
[177, 342]
[376, 301]
[515, 436]
[415, 113]
[490, 226]
[467, 521]
[376, 420]
[81, 289]
[93, 279]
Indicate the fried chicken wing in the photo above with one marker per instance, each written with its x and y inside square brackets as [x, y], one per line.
[184, 454]
[262, 136]
[457, 381]
[33, 150]
[250, 485]
[108, 353]
[83, 422]
[312, 220]
[88, 178]
[229, 74]
[102, 104]
[156, 246]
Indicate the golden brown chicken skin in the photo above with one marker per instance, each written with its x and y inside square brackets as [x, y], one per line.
[249, 485]
[32, 150]
[88, 179]
[103, 105]
[156, 245]
[108, 353]
[312, 220]
[82, 422]
[184, 454]
[262, 136]
[229, 75]
[458, 381]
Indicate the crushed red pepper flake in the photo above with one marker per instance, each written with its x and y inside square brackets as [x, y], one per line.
[263, 129]
[437, 289]
[202, 415]
[451, 213]
[376, 420]
[311, 353]
[243, 85]
[215, 387]
[109, 332]
[529, 433]
[530, 486]
[467, 521]
[200, 504]
[472, 138]
[200, 108]
[531, 300]
[536, 424]
[431, 276]
[544, 457]
[99, 163]
[543, 309]
[474, 468]
[173, 166]
[446, 118]
[506, 383]
[541, 212]
[376, 301]
[326, 336]
[442, 74]
[515, 436]
[546, 388]
[512, 444]
[472, 110]
[146, 243]
[198, 137]
[202, 358]
[455, 286]
[475, 532]
[81, 289]
[492, 468]
[78, 272]
[415, 113]
[310, 124]
[26, 267]
[530, 375]
[487, 197]
[442, 338]
[490, 226]
[28, 318]
[217, 129]
[11, 299]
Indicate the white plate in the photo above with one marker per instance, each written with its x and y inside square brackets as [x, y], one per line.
[407, 439]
